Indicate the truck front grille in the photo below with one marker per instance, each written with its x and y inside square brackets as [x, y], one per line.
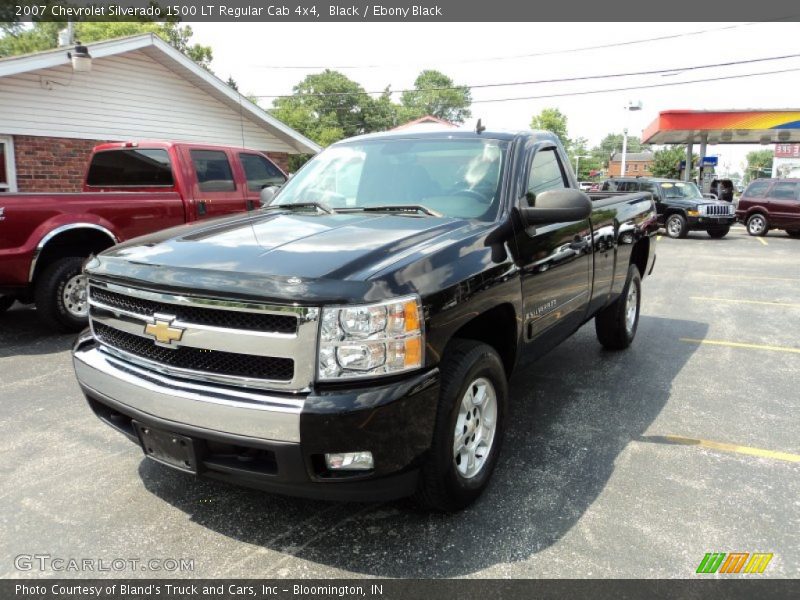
[195, 359]
[718, 210]
[229, 342]
[230, 319]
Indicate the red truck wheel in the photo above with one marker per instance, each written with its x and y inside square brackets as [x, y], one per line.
[60, 295]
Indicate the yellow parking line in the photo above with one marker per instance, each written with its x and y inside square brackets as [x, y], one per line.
[760, 452]
[762, 240]
[709, 299]
[658, 238]
[742, 345]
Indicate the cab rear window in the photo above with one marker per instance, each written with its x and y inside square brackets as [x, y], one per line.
[130, 168]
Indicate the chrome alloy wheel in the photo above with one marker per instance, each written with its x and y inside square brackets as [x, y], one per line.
[756, 225]
[674, 227]
[74, 296]
[475, 428]
[631, 308]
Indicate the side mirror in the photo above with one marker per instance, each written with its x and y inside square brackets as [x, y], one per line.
[267, 194]
[557, 206]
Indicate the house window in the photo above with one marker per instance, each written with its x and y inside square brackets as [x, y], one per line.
[635, 166]
[8, 177]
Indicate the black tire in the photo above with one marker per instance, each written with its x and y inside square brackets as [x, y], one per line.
[6, 302]
[676, 226]
[757, 224]
[611, 324]
[795, 233]
[441, 486]
[719, 232]
[48, 294]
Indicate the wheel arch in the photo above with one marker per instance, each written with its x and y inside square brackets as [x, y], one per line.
[77, 239]
[496, 327]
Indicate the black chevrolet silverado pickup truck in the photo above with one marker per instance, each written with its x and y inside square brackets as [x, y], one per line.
[354, 338]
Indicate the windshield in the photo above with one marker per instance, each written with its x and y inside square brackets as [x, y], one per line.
[681, 190]
[456, 178]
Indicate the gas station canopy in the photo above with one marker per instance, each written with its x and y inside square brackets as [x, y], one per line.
[724, 127]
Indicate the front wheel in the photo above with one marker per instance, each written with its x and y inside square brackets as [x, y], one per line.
[757, 224]
[60, 294]
[469, 427]
[676, 226]
[616, 324]
[718, 232]
[6, 302]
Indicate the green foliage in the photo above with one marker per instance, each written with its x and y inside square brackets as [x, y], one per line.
[40, 36]
[552, 119]
[430, 98]
[325, 107]
[667, 161]
[613, 143]
[759, 164]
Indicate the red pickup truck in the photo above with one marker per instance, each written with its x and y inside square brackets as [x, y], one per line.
[130, 189]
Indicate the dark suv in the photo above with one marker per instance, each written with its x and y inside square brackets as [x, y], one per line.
[771, 204]
[680, 204]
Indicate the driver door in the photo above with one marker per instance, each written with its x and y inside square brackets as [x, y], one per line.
[555, 260]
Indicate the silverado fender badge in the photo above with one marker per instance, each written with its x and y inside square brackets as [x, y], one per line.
[2, 213]
[163, 331]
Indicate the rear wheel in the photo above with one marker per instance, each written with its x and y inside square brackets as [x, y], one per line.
[616, 324]
[6, 302]
[793, 232]
[757, 224]
[718, 232]
[676, 226]
[469, 427]
[60, 295]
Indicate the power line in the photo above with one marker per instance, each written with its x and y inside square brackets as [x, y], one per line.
[637, 87]
[674, 70]
[538, 54]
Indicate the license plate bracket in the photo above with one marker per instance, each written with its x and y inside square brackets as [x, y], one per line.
[172, 449]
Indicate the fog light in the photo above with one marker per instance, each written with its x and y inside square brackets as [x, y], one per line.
[349, 461]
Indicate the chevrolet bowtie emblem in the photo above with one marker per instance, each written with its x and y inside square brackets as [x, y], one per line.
[163, 331]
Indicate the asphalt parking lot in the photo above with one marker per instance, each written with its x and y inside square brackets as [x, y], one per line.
[631, 464]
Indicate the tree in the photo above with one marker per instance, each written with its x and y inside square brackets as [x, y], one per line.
[613, 143]
[44, 36]
[667, 161]
[552, 119]
[435, 94]
[759, 164]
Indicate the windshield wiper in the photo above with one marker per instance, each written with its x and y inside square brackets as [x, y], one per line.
[399, 208]
[289, 206]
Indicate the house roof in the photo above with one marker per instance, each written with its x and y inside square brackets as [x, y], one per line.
[632, 156]
[428, 121]
[176, 61]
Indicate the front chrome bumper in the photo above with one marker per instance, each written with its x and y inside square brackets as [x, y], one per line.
[239, 412]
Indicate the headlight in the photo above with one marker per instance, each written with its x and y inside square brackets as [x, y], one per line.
[370, 340]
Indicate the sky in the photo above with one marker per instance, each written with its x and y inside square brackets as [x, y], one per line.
[380, 54]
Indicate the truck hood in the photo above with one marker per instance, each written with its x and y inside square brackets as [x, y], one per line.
[270, 255]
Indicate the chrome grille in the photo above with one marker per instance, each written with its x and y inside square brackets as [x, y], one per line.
[237, 343]
[195, 359]
[193, 314]
[717, 210]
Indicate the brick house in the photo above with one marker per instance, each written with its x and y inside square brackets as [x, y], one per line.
[138, 88]
[636, 163]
